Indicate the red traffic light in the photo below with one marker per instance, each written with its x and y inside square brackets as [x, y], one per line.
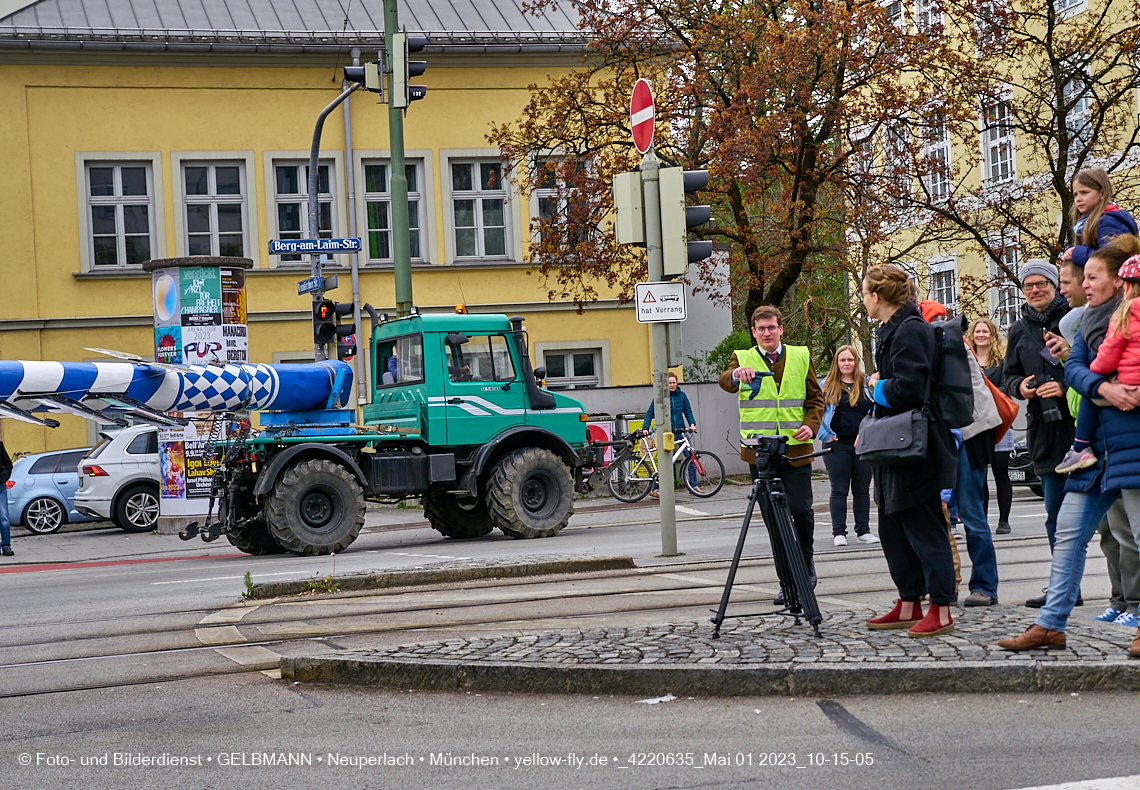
[325, 310]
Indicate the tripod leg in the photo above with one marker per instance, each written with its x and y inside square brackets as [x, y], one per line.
[785, 544]
[719, 618]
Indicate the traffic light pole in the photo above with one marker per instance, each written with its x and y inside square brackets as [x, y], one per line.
[398, 179]
[651, 199]
[320, 351]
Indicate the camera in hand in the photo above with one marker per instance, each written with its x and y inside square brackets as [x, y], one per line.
[1050, 371]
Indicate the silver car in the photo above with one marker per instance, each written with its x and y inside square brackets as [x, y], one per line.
[119, 479]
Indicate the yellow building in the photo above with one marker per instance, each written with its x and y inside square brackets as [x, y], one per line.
[1058, 93]
[170, 128]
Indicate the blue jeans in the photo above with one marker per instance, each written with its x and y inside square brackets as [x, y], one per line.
[5, 524]
[979, 542]
[1053, 487]
[1077, 520]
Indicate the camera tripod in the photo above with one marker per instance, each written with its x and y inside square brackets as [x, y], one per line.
[792, 570]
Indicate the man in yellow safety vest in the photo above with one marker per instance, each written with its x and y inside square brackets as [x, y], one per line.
[790, 403]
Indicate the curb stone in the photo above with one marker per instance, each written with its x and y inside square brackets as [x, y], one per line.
[786, 679]
[420, 576]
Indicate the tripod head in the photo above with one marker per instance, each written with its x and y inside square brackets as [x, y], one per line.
[770, 452]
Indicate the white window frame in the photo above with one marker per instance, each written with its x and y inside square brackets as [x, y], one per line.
[513, 239]
[1078, 121]
[153, 160]
[938, 185]
[899, 19]
[600, 346]
[937, 265]
[178, 159]
[992, 143]
[927, 16]
[1067, 9]
[422, 157]
[538, 194]
[573, 382]
[1004, 300]
[896, 150]
[339, 195]
[416, 196]
[983, 32]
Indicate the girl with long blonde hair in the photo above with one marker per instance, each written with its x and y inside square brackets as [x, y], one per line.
[847, 399]
[988, 346]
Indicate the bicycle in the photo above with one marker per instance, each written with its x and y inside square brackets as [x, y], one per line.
[634, 477]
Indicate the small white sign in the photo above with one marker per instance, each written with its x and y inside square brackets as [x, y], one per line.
[659, 302]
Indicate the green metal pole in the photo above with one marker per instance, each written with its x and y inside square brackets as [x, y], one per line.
[398, 180]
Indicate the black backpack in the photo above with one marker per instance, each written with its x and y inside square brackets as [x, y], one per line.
[952, 385]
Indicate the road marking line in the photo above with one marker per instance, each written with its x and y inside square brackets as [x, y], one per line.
[1114, 783]
[227, 615]
[690, 511]
[254, 654]
[219, 635]
[226, 578]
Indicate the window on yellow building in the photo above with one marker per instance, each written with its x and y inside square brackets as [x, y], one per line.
[478, 205]
[943, 282]
[214, 196]
[1005, 296]
[572, 369]
[120, 208]
[998, 143]
[557, 203]
[936, 159]
[378, 208]
[291, 202]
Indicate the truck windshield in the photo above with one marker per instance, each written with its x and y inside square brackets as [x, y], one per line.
[481, 358]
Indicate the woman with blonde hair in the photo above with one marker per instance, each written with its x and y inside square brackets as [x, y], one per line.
[988, 346]
[847, 399]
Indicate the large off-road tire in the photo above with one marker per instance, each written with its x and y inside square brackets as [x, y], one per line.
[252, 537]
[450, 518]
[317, 507]
[530, 494]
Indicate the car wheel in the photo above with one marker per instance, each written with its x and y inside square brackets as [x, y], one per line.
[44, 515]
[137, 509]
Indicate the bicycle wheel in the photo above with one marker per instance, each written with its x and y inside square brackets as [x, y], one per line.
[631, 480]
[709, 474]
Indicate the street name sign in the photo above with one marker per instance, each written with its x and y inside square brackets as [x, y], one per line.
[641, 115]
[308, 285]
[327, 246]
[659, 302]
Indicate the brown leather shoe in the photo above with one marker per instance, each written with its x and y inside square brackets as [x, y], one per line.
[1134, 648]
[1036, 636]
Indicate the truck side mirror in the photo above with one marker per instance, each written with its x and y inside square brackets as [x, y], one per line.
[456, 338]
[540, 373]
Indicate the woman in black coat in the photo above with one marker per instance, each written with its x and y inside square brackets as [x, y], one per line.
[911, 525]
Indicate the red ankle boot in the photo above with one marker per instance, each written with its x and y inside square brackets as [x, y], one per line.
[904, 615]
[937, 621]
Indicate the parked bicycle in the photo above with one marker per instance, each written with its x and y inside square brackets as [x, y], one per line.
[634, 477]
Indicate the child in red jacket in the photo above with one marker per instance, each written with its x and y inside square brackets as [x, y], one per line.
[1119, 354]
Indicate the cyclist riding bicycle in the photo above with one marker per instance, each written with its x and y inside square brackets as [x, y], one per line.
[681, 415]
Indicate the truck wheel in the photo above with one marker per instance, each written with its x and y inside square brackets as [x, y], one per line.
[251, 537]
[451, 519]
[317, 507]
[530, 494]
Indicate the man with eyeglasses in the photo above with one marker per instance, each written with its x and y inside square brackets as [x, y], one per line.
[1032, 375]
[789, 403]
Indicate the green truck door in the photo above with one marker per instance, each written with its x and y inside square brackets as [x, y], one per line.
[484, 390]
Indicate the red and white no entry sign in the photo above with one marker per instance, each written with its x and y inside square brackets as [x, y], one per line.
[641, 115]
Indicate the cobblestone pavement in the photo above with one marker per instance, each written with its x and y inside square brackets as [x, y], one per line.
[775, 639]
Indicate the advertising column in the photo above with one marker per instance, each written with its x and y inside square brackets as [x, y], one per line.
[199, 319]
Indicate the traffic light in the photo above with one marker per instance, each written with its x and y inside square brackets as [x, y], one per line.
[629, 219]
[346, 348]
[368, 75]
[404, 94]
[326, 321]
[677, 218]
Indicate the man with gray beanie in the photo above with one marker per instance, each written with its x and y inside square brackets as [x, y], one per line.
[1034, 375]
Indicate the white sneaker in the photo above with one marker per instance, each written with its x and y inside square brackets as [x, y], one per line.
[867, 537]
[840, 540]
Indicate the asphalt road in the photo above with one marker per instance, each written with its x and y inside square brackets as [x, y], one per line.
[232, 730]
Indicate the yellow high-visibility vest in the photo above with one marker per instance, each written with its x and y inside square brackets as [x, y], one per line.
[774, 410]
